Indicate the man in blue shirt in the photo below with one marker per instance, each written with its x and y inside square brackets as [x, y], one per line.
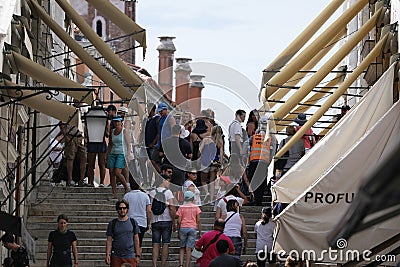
[122, 238]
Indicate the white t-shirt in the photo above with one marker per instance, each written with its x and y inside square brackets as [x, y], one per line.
[55, 156]
[165, 217]
[234, 129]
[264, 235]
[222, 203]
[138, 202]
[220, 195]
[234, 225]
[186, 186]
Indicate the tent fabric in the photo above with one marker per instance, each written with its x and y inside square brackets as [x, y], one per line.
[346, 132]
[50, 107]
[306, 222]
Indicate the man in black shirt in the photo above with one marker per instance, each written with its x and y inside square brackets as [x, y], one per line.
[224, 259]
[18, 253]
[177, 158]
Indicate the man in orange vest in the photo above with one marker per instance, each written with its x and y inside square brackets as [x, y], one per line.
[261, 152]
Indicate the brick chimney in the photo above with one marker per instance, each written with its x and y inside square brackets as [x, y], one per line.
[166, 50]
[196, 86]
[182, 82]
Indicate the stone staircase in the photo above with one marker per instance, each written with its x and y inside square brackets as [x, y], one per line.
[89, 212]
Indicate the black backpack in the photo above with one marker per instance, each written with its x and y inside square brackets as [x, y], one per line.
[114, 222]
[158, 204]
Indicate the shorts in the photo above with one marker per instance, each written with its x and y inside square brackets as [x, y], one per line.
[117, 262]
[75, 147]
[161, 230]
[97, 148]
[116, 161]
[187, 236]
[237, 243]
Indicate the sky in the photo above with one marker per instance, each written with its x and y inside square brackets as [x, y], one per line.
[241, 38]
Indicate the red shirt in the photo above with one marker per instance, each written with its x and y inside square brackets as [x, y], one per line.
[212, 252]
[306, 137]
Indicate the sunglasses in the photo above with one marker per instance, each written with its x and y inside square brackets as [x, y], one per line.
[194, 173]
[122, 208]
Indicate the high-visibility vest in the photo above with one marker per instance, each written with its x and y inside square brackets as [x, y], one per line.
[260, 149]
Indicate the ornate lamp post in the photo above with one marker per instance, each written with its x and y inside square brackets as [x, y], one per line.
[95, 123]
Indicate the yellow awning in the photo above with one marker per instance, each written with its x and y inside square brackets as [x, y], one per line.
[310, 101]
[335, 96]
[93, 64]
[115, 61]
[308, 53]
[294, 47]
[122, 21]
[39, 102]
[46, 76]
[326, 68]
[278, 95]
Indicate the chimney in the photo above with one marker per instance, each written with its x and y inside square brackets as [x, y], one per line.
[166, 50]
[182, 82]
[196, 86]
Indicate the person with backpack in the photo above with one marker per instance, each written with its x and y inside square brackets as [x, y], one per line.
[294, 154]
[163, 217]
[122, 244]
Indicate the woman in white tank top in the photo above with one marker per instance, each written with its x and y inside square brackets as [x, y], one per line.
[235, 227]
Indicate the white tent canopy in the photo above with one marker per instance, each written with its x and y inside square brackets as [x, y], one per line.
[306, 222]
[347, 131]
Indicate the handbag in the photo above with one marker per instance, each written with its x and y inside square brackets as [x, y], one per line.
[196, 254]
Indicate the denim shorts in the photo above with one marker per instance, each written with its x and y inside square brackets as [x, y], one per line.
[237, 243]
[161, 230]
[116, 161]
[187, 236]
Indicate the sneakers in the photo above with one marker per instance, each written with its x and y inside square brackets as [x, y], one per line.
[80, 184]
[70, 183]
[101, 185]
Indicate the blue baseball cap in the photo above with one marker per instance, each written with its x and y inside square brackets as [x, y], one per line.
[117, 118]
[161, 106]
[188, 195]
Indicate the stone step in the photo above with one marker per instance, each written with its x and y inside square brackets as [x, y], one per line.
[102, 226]
[206, 218]
[42, 243]
[92, 233]
[99, 261]
[146, 257]
[147, 250]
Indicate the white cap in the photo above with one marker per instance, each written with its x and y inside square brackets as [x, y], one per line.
[123, 109]
[264, 119]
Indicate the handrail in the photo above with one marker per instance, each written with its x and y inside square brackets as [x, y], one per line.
[33, 168]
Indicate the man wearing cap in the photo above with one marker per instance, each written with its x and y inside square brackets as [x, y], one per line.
[165, 124]
[308, 138]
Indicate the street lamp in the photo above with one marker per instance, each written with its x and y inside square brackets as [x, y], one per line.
[96, 123]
